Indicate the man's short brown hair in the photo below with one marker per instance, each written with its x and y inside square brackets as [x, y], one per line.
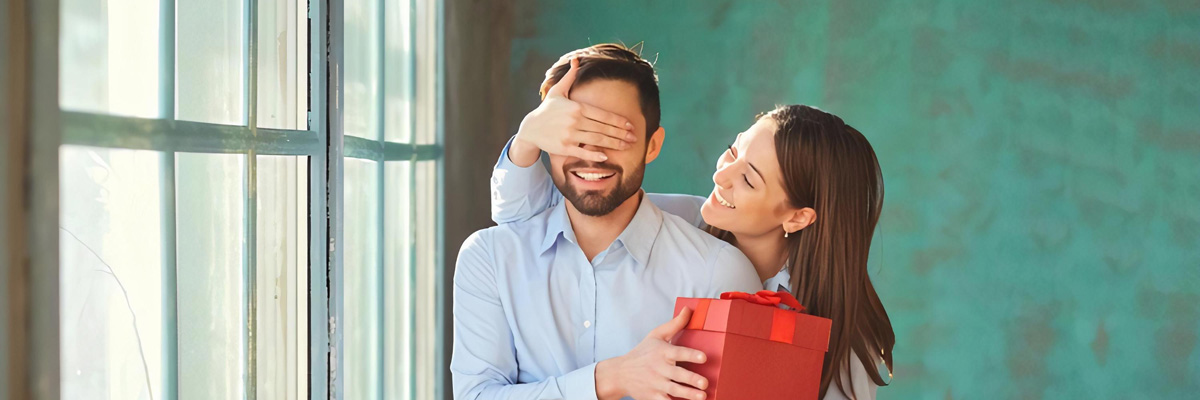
[616, 62]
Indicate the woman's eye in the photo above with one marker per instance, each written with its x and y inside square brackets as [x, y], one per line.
[747, 179]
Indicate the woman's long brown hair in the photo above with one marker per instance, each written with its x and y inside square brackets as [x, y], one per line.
[830, 167]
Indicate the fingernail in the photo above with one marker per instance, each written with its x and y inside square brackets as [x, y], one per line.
[603, 157]
[631, 138]
[701, 384]
[700, 358]
[628, 126]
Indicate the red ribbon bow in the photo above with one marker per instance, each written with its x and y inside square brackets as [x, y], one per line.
[766, 298]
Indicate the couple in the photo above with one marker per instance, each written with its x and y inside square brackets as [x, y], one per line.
[567, 297]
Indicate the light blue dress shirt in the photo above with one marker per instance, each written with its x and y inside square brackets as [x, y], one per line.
[532, 316]
[521, 192]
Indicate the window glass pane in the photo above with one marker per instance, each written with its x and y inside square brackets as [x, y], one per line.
[427, 257]
[398, 280]
[398, 79]
[210, 198]
[209, 66]
[425, 66]
[362, 280]
[111, 274]
[362, 68]
[282, 64]
[282, 277]
[109, 56]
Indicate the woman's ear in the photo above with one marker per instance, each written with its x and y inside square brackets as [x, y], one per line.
[655, 144]
[799, 219]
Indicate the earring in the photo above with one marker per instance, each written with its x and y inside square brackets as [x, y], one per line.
[785, 233]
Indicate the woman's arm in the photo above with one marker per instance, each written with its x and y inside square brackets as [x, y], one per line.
[519, 193]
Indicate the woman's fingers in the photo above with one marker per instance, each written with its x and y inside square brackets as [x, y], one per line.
[599, 115]
[583, 154]
[585, 137]
[619, 134]
[563, 87]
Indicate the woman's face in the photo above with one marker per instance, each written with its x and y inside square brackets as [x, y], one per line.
[749, 198]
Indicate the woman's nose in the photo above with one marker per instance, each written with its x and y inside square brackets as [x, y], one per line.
[721, 177]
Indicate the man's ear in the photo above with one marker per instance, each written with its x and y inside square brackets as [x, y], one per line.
[799, 219]
[654, 145]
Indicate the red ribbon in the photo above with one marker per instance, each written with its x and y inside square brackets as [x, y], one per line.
[766, 298]
[783, 322]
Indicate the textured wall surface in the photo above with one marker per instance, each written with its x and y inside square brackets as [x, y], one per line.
[1041, 231]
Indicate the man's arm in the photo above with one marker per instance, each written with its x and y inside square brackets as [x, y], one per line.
[484, 362]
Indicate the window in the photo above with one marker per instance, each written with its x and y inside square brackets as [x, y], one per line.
[212, 188]
[391, 201]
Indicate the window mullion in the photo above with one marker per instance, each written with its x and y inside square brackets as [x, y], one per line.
[411, 290]
[170, 289]
[317, 102]
[381, 135]
[333, 105]
[166, 111]
[414, 203]
[250, 267]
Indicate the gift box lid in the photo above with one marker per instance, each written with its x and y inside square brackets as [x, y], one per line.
[756, 315]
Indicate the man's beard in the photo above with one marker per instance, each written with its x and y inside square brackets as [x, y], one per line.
[594, 203]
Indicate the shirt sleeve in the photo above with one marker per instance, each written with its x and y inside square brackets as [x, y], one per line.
[519, 193]
[684, 206]
[733, 272]
[483, 365]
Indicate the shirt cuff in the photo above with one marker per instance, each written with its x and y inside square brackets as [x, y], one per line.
[515, 179]
[579, 384]
[505, 163]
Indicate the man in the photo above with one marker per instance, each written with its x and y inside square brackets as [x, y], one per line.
[565, 305]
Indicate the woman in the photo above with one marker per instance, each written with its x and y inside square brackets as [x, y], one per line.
[799, 193]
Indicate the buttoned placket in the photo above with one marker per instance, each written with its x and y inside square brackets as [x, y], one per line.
[585, 348]
[588, 286]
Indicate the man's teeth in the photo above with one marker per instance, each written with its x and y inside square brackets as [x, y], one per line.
[722, 201]
[592, 176]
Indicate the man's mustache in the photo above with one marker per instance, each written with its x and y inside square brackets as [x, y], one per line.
[596, 165]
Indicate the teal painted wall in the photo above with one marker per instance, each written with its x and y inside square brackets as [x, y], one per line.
[1041, 231]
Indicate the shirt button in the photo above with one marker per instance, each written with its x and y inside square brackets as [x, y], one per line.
[587, 324]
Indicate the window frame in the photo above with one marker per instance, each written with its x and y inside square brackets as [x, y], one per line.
[47, 127]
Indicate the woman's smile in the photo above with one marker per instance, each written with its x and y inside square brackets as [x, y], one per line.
[721, 199]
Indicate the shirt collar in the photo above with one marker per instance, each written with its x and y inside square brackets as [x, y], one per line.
[637, 238]
[781, 282]
[558, 223]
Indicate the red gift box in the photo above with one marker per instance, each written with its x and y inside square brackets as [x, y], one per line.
[755, 349]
